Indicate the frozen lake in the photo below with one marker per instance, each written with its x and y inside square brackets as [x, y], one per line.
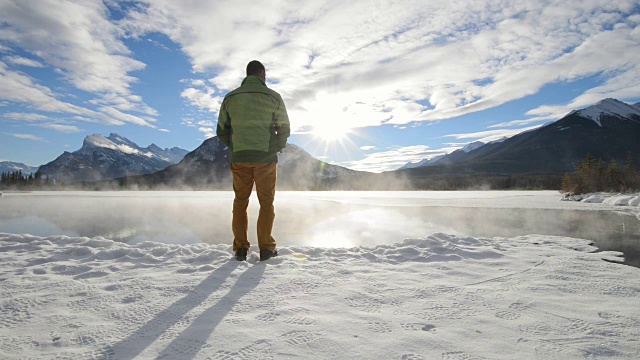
[321, 219]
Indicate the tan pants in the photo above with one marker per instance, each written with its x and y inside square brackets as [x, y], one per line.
[264, 176]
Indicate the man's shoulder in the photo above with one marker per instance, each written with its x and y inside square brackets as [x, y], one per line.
[252, 90]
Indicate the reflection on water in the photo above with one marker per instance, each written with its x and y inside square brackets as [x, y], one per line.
[192, 217]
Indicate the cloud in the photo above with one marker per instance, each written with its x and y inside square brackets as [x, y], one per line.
[19, 60]
[395, 158]
[208, 132]
[80, 41]
[396, 62]
[25, 116]
[491, 135]
[123, 117]
[28, 137]
[367, 147]
[202, 99]
[164, 130]
[534, 120]
[62, 128]
[21, 88]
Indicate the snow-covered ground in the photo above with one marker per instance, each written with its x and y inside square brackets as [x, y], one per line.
[434, 296]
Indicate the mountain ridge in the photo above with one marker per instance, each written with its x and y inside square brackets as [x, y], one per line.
[554, 148]
[114, 156]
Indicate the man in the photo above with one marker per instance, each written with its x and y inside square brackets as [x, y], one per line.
[253, 123]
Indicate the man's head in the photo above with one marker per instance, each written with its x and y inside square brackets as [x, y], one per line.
[256, 68]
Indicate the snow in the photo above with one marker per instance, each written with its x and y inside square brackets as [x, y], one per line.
[436, 296]
[606, 198]
[609, 107]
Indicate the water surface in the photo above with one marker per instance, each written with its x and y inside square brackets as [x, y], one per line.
[325, 219]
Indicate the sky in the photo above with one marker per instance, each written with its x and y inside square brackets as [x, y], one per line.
[370, 85]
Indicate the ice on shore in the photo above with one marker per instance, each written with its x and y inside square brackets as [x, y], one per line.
[437, 297]
[605, 198]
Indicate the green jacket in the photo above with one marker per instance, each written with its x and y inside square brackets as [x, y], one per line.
[253, 122]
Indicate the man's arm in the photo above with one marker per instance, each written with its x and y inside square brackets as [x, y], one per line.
[223, 130]
[283, 127]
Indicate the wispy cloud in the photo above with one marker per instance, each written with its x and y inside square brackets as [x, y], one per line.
[491, 135]
[204, 99]
[25, 116]
[28, 137]
[208, 132]
[19, 60]
[62, 128]
[395, 158]
[80, 41]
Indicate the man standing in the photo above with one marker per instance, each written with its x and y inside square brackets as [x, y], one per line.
[253, 123]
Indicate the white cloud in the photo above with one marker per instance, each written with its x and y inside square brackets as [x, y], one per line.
[491, 135]
[116, 114]
[28, 137]
[79, 40]
[367, 147]
[208, 132]
[21, 88]
[25, 116]
[19, 60]
[534, 120]
[62, 128]
[203, 99]
[395, 158]
[206, 123]
[364, 64]
[164, 130]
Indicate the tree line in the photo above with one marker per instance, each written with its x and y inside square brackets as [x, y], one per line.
[16, 179]
[593, 175]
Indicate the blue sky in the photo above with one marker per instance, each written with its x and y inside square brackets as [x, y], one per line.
[370, 85]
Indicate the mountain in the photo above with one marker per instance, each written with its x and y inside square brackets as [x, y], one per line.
[110, 157]
[425, 162]
[10, 166]
[207, 167]
[608, 130]
[449, 158]
[459, 154]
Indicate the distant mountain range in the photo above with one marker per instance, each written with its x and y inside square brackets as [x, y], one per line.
[207, 167]
[11, 167]
[608, 130]
[446, 158]
[110, 157]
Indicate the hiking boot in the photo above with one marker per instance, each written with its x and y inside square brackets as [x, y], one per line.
[241, 254]
[267, 254]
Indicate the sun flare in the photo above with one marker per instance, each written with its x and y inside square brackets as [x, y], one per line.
[330, 133]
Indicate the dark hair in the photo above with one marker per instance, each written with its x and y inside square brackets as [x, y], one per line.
[254, 67]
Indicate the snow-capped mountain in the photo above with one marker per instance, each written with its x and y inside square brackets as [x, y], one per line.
[208, 167]
[424, 162]
[609, 107]
[440, 159]
[10, 167]
[110, 157]
[608, 130]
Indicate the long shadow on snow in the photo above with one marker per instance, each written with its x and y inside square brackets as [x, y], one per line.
[196, 335]
[137, 342]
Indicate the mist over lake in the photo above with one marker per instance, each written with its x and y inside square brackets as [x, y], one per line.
[320, 219]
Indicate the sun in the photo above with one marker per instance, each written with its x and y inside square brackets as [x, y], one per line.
[330, 133]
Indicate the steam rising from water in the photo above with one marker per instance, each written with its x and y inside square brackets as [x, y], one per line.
[303, 219]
